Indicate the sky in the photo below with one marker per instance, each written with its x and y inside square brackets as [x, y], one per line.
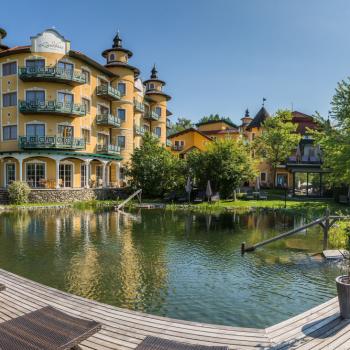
[217, 56]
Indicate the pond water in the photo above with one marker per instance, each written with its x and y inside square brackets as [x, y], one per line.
[172, 263]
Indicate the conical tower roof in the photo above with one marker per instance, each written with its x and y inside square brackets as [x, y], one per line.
[117, 46]
[154, 77]
[259, 119]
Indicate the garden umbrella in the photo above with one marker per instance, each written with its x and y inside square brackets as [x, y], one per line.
[208, 191]
[188, 188]
[257, 184]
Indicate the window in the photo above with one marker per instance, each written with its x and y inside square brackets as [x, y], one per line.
[65, 97]
[158, 131]
[9, 132]
[121, 113]
[99, 174]
[35, 129]
[35, 96]
[9, 68]
[103, 110]
[158, 111]
[86, 135]
[35, 64]
[102, 139]
[122, 88]
[263, 177]
[179, 143]
[66, 175]
[151, 86]
[35, 174]
[65, 130]
[103, 83]
[146, 127]
[121, 141]
[86, 75]
[86, 104]
[9, 99]
[112, 57]
[67, 67]
[83, 175]
[10, 173]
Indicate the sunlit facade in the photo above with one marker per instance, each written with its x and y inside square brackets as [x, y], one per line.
[68, 121]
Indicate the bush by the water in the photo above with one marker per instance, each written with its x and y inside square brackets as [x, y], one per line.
[18, 192]
[339, 234]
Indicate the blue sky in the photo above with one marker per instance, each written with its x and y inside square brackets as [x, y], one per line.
[217, 56]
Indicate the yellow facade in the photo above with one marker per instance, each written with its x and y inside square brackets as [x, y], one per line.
[69, 121]
[188, 140]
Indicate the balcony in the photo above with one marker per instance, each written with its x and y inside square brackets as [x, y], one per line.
[168, 123]
[155, 135]
[139, 106]
[108, 92]
[177, 147]
[140, 130]
[152, 115]
[52, 107]
[108, 149]
[108, 120]
[51, 142]
[52, 74]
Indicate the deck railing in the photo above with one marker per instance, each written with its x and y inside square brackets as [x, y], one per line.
[152, 115]
[54, 142]
[108, 149]
[108, 119]
[52, 107]
[140, 130]
[108, 92]
[139, 106]
[51, 73]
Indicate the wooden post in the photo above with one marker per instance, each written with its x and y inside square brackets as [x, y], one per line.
[326, 228]
[243, 248]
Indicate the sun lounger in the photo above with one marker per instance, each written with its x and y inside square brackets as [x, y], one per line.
[154, 343]
[215, 197]
[45, 329]
[343, 199]
[249, 195]
[262, 195]
[199, 198]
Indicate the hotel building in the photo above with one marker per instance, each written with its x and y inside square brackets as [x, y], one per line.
[67, 121]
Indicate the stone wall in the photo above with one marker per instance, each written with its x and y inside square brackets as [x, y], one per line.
[74, 195]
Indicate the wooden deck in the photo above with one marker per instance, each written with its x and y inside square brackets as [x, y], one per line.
[318, 328]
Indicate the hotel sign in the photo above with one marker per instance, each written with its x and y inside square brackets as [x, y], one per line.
[50, 41]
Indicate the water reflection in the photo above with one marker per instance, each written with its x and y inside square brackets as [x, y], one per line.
[177, 264]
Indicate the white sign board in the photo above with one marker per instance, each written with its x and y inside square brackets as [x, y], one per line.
[50, 41]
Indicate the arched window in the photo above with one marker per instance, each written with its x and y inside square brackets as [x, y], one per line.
[112, 57]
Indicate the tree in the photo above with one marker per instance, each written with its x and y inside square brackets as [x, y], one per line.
[334, 139]
[226, 163]
[180, 125]
[214, 117]
[277, 140]
[154, 169]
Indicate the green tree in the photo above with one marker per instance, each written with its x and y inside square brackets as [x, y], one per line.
[214, 117]
[226, 163]
[180, 125]
[154, 169]
[277, 140]
[335, 139]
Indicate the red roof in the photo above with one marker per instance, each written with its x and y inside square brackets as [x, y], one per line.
[304, 122]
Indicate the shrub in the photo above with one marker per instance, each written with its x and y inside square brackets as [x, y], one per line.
[338, 234]
[18, 192]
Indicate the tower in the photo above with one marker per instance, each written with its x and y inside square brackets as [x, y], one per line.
[117, 61]
[157, 103]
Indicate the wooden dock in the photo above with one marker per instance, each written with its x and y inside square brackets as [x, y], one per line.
[318, 328]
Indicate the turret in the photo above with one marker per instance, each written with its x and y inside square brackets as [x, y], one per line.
[154, 83]
[117, 53]
[2, 36]
[246, 119]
